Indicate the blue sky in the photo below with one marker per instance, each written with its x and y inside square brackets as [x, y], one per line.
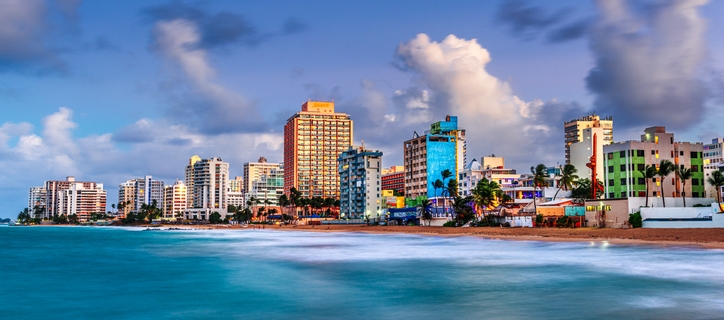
[111, 90]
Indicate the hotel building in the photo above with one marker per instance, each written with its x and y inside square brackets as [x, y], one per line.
[68, 197]
[36, 197]
[624, 161]
[579, 134]
[174, 203]
[393, 178]
[442, 147]
[235, 195]
[313, 140]
[189, 180]
[268, 187]
[137, 192]
[360, 187]
[210, 184]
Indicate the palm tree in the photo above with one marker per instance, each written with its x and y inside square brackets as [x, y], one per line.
[283, 202]
[437, 184]
[665, 169]
[452, 187]
[539, 178]
[486, 193]
[684, 174]
[24, 216]
[568, 178]
[38, 212]
[463, 211]
[445, 174]
[425, 210]
[717, 180]
[648, 173]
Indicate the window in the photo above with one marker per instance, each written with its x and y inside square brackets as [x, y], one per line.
[672, 153]
[610, 156]
[623, 181]
[694, 154]
[610, 195]
[694, 194]
[672, 140]
[623, 194]
[681, 153]
[623, 167]
[610, 169]
[695, 168]
[653, 152]
[673, 182]
[639, 153]
[622, 154]
[610, 182]
[695, 181]
[642, 181]
[640, 167]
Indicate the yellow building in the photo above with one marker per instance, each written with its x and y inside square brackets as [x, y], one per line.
[313, 140]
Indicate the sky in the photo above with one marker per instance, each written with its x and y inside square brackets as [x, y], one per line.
[108, 91]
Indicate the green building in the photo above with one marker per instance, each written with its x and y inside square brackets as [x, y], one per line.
[623, 162]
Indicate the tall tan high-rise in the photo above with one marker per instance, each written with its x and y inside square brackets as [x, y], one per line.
[189, 180]
[313, 139]
[574, 131]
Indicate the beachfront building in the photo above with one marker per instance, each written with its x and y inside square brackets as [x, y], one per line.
[468, 179]
[210, 184]
[360, 183]
[189, 180]
[493, 168]
[393, 178]
[126, 197]
[253, 171]
[625, 160]
[266, 189]
[426, 157]
[713, 161]
[134, 193]
[313, 139]
[69, 197]
[174, 203]
[235, 194]
[580, 135]
[36, 197]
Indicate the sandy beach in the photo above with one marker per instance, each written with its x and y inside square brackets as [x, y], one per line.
[706, 238]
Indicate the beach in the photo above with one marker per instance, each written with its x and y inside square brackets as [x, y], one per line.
[706, 238]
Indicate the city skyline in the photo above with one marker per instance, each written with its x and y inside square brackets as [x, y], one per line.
[109, 92]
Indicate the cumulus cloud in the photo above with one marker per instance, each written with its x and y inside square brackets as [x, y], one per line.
[648, 63]
[26, 34]
[209, 107]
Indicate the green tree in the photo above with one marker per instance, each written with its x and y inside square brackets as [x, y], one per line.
[61, 219]
[485, 194]
[425, 213]
[717, 180]
[666, 167]
[452, 187]
[215, 218]
[231, 208]
[540, 172]
[683, 174]
[635, 220]
[24, 216]
[437, 184]
[445, 175]
[73, 218]
[283, 201]
[568, 178]
[462, 210]
[649, 173]
[38, 212]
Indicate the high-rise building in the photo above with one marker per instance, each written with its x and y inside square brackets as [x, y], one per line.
[624, 162]
[174, 203]
[426, 157]
[210, 184]
[126, 197]
[36, 197]
[574, 133]
[393, 178]
[267, 188]
[253, 171]
[68, 197]
[360, 187]
[134, 193]
[313, 139]
[189, 180]
[235, 195]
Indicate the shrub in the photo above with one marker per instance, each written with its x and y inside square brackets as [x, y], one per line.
[635, 220]
[449, 224]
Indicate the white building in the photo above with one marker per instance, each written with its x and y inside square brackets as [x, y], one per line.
[268, 187]
[135, 193]
[36, 197]
[210, 184]
[175, 202]
[493, 168]
[235, 194]
[574, 132]
[253, 171]
[74, 197]
[581, 152]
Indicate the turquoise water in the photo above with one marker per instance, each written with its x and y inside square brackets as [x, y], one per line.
[124, 273]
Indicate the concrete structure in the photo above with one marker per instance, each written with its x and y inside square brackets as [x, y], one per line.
[580, 152]
[137, 192]
[36, 197]
[614, 213]
[574, 132]
[701, 217]
[210, 184]
[126, 197]
[174, 203]
[442, 147]
[713, 161]
[624, 161]
[189, 179]
[253, 171]
[468, 179]
[493, 169]
[235, 194]
[313, 139]
[68, 197]
[268, 187]
[393, 178]
[360, 183]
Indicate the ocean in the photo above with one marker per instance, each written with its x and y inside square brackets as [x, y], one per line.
[126, 273]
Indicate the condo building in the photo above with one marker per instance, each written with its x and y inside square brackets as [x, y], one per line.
[267, 188]
[189, 180]
[360, 183]
[624, 162]
[174, 203]
[210, 184]
[253, 171]
[134, 193]
[235, 194]
[68, 197]
[313, 140]
[425, 157]
[393, 178]
[579, 135]
[36, 197]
